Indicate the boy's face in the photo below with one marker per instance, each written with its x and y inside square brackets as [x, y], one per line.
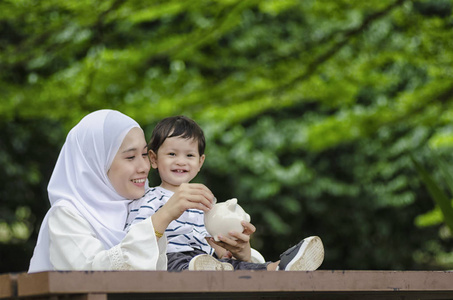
[178, 161]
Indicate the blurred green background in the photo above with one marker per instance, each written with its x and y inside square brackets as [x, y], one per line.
[311, 111]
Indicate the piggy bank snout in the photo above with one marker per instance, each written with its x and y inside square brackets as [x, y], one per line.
[247, 217]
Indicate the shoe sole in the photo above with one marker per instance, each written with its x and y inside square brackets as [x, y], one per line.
[205, 262]
[309, 257]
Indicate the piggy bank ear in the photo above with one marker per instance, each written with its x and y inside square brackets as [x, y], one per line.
[232, 202]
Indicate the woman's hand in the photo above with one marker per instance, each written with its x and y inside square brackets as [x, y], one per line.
[239, 248]
[187, 196]
[219, 251]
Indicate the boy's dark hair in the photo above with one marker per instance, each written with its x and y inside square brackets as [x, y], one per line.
[177, 126]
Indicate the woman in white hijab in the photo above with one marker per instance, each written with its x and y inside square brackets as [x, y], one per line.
[102, 167]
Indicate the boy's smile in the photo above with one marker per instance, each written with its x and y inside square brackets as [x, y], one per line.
[178, 161]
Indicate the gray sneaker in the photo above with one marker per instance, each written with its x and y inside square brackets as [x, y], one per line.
[305, 256]
[205, 262]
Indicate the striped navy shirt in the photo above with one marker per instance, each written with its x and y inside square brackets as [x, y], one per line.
[183, 234]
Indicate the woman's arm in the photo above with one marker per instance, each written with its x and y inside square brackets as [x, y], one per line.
[240, 246]
[74, 246]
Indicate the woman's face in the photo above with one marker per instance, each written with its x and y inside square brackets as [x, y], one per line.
[131, 165]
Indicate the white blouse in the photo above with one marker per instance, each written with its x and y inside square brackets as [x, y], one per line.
[74, 246]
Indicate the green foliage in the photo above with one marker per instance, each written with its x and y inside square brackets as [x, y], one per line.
[310, 109]
[441, 199]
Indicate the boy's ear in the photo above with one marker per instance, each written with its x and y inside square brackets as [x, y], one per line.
[201, 162]
[152, 158]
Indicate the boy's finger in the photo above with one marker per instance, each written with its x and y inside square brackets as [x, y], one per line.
[228, 242]
[240, 236]
[201, 200]
[248, 227]
[198, 188]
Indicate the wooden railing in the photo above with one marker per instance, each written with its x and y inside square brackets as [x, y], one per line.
[321, 284]
[8, 285]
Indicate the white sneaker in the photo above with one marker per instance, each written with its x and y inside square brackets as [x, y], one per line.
[205, 262]
[305, 256]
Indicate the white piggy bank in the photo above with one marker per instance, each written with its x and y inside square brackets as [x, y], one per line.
[225, 217]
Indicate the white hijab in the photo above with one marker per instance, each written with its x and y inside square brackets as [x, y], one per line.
[80, 180]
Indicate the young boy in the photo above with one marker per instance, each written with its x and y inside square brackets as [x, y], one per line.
[176, 150]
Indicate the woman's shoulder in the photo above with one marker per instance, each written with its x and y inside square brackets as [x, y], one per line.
[65, 215]
[64, 208]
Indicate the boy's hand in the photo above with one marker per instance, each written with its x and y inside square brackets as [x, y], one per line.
[239, 248]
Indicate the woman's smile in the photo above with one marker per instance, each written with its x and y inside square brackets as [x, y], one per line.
[140, 182]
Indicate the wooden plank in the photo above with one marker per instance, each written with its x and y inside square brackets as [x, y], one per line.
[304, 283]
[8, 285]
[88, 297]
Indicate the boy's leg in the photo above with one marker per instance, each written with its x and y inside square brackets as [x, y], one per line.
[307, 255]
[206, 262]
[243, 265]
[178, 261]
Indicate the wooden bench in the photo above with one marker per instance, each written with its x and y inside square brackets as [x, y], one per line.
[8, 286]
[321, 284]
